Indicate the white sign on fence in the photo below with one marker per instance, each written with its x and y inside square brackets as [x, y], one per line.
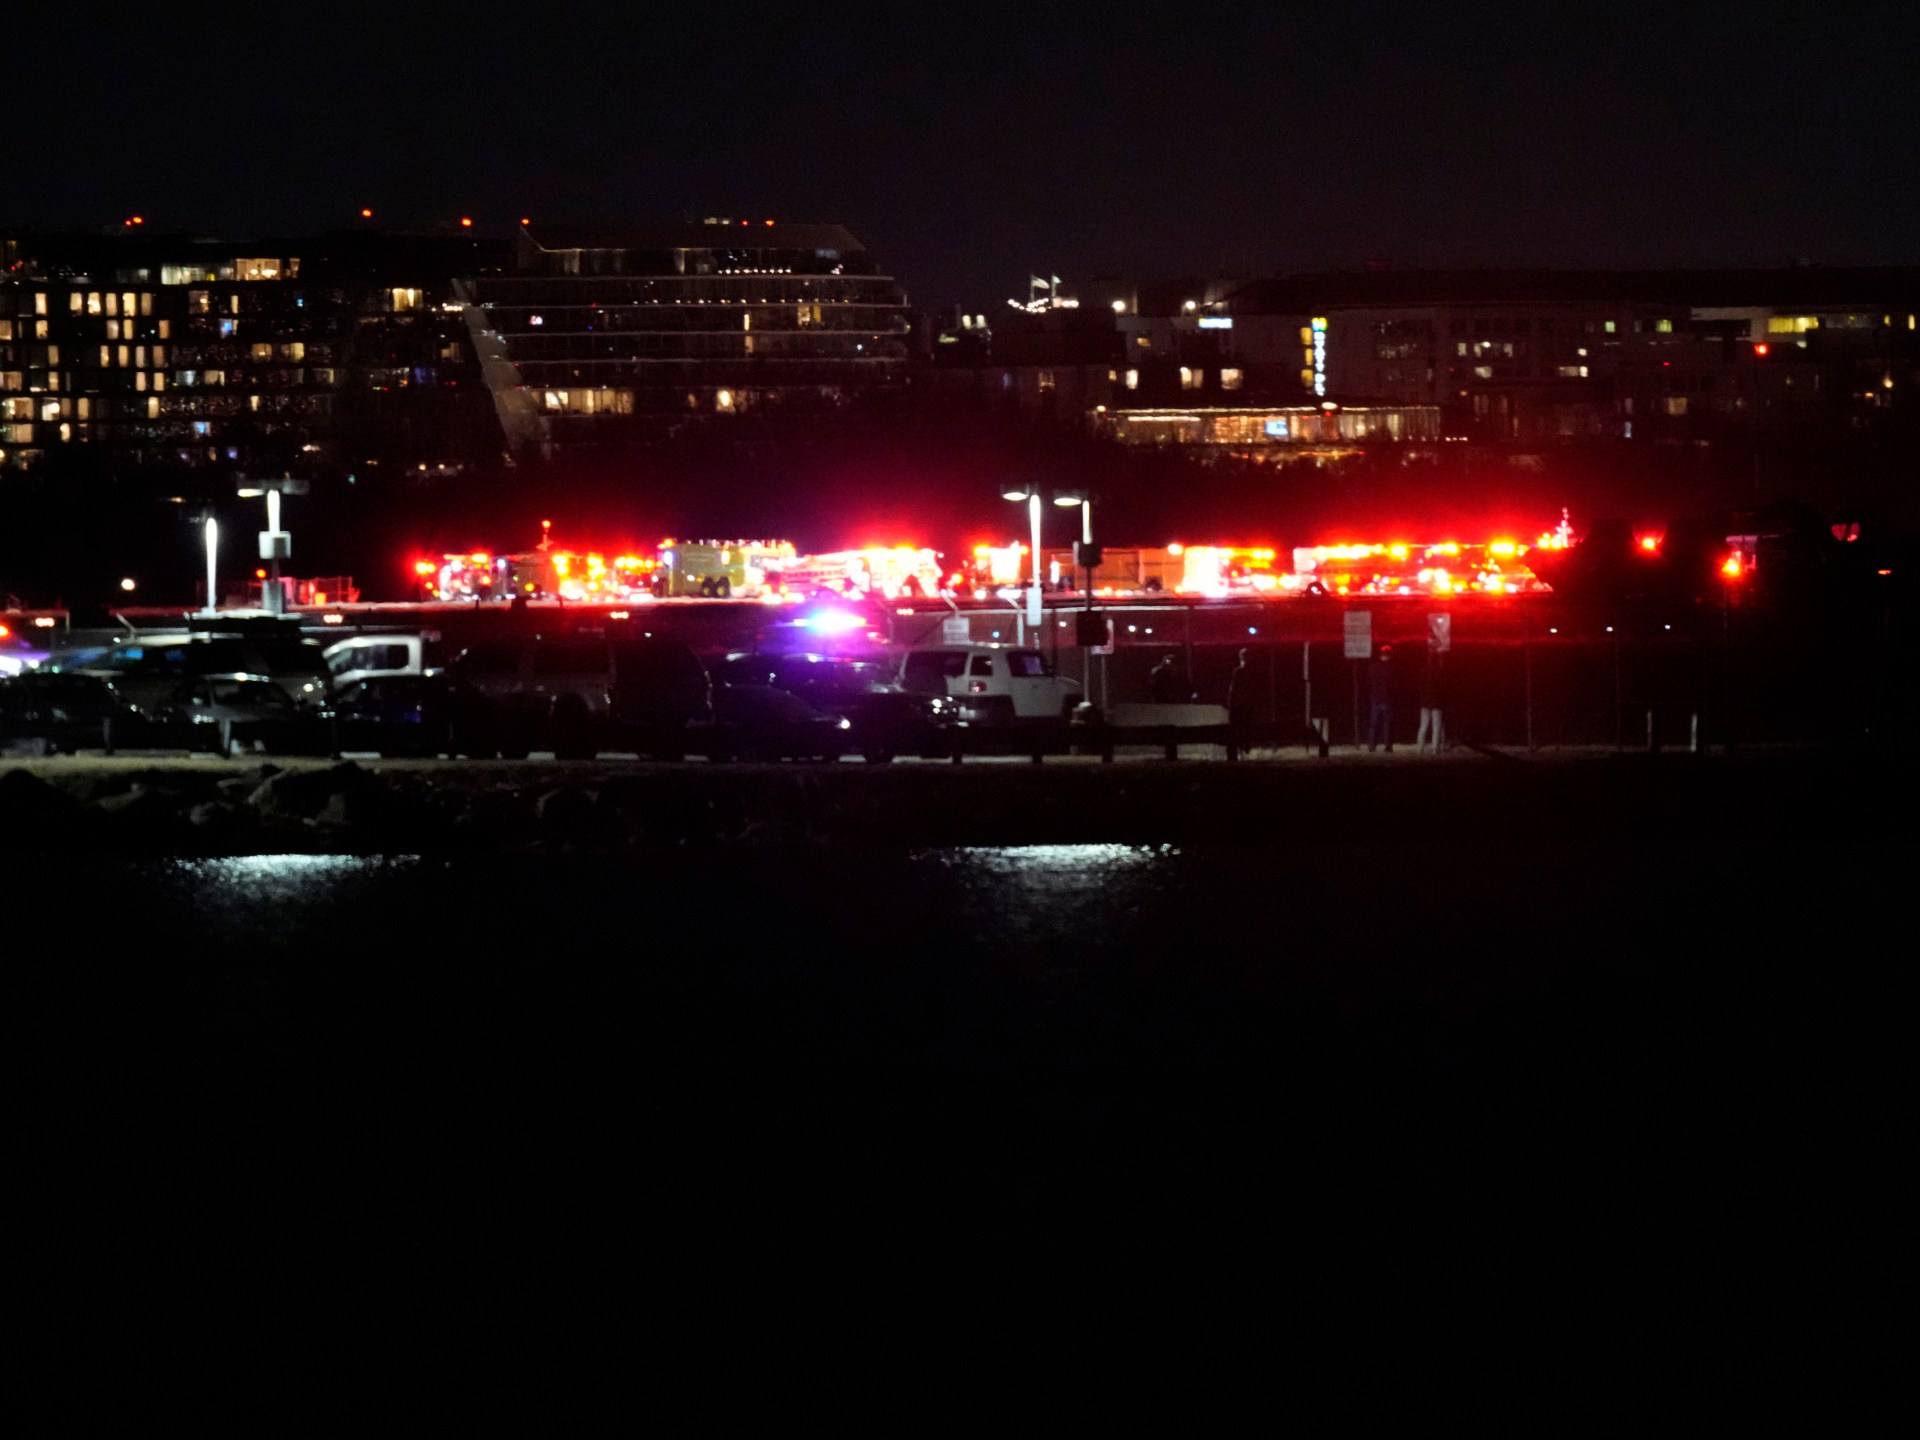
[954, 630]
[1359, 635]
[1440, 632]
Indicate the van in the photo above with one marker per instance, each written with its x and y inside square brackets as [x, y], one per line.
[361, 657]
[582, 693]
[992, 684]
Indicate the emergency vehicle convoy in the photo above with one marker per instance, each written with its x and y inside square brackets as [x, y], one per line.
[774, 570]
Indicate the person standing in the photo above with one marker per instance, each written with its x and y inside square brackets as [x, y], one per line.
[1431, 738]
[1380, 680]
[1165, 684]
[1240, 692]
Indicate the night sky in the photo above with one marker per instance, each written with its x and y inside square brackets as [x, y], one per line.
[973, 144]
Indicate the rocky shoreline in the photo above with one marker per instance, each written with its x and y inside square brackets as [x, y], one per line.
[208, 808]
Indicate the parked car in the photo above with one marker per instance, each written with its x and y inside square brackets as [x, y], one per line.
[992, 684]
[412, 715]
[758, 722]
[150, 669]
[579, 694]
[884, 719]
[66, 712]
[245, 712]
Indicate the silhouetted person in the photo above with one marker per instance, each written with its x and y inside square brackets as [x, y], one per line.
[1165, 683]
[1240, 692]
[1380, 675]
[1433, 703]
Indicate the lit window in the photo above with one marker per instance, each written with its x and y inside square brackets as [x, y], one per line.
[146, 302]
[159, 355]
[1676, 405]
[1663, 327]
[140, 380]
[1230, 378]
[39, 329]
[256, 269]
[1483, 372]
[6, 329]
[123, 356]
[106, 356]
[1046, 381]
[1611, 327]
[1133, 379]
[166, 329]
[261, 350]
[153, 405]
[1192, 379]
[404, 298]
[39, 302]
[159, 379]
[140, 356]
[199, 302]
[113, 329]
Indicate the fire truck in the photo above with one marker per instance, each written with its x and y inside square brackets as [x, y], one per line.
[717, 569]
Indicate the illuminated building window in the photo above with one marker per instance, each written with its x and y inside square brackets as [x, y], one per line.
[1483, 372]
[1046, 381]
[1663, 327]
[83, 407]
[39, 329]
[140, 356]
[159, 356]
[1230, 378]
[6, 329]
[256, 269]
[153, 405]
[159, 379]
[113, 329]
[146, 302]
[1192, 379]
[404, 298]
[123, 356]
[140, 380]
[261, 350]
[166, 329]
[293, 350]
[1133, 379]
[199, 302]
[39, 302]
[106, 356]
[1611, 327]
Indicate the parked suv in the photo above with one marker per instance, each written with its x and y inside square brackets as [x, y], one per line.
[579, 694]
[992, 684]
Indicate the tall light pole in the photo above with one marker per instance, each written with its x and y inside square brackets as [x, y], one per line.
[275, 544]
[212, 531]
[1030, 494]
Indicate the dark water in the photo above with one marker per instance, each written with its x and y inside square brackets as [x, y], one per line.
[1442, 1069]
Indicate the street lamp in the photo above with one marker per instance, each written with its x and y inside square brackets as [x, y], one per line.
[213, 549]
[1030, 494]
[275, 544]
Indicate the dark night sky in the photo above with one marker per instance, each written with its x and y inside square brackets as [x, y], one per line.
[972, 144]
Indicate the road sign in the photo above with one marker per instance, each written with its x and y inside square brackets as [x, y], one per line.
[954, 630]
[1440, 633]
[1359, 635]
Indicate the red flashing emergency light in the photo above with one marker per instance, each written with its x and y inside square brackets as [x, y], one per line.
[1650, 544]
[1761, 348]
[1732, 567]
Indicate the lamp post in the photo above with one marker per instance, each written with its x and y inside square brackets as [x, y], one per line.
[212, 530]
[275, 544]
[1030, 494]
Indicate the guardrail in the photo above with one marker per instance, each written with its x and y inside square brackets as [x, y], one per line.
[1038, 740]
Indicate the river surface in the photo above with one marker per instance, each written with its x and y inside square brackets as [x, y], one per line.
[573, 1085]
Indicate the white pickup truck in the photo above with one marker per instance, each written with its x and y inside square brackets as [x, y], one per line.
[991, 684]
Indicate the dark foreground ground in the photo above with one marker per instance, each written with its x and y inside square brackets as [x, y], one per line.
[1588, 1076]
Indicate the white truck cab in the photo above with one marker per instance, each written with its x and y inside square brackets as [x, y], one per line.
[1002, 683]
[362, 656]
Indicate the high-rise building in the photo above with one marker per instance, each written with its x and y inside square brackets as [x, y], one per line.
[608, 336]
[327, 354]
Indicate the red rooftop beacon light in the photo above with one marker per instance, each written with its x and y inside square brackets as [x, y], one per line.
[1760, 349]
